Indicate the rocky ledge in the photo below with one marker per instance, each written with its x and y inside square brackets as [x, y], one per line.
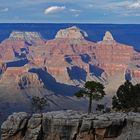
[24, 35]
[71, 125]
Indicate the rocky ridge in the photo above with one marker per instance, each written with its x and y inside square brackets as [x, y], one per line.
[71, 125]
[24, 35]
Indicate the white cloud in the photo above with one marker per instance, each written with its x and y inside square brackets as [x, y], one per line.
[125, 4]
[75, 10]
[4, 9]
[54, 9]
[135, 5]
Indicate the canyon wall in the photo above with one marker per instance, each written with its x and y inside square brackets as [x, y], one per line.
[70, 58]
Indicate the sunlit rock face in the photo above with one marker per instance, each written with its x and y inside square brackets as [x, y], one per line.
[60, 56]
[29, 80]
[112, 56]
[67, 54]
[108, 37]
[16, 46]
[15, 35]
[71, 33]
[72, 59]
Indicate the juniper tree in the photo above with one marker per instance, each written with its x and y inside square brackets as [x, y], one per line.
[93, 90]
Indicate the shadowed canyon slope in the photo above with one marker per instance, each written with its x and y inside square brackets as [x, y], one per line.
[31, 65]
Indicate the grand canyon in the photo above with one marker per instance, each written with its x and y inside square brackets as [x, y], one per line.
[30, 66]
[70, 59]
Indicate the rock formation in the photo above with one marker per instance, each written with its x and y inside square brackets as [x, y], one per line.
[108, 37]
[70, 54]
[71, 125]
[113, 57]
[71, 33]
[24, 35]
[2, 67]
[17, 44]
[20, 77]
[70, 58]
[29, 80]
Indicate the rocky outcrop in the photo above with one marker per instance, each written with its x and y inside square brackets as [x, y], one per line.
[71, 33]
[20, 78]
[17, 44]
[28, 80]
[15, 35]
[2, 67]
[11, 74]
[108, 37]
[71, 125]
[29, 38]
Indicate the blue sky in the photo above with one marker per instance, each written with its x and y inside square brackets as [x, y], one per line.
[67, 11]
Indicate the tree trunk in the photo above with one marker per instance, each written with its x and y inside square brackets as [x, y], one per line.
[90, 104]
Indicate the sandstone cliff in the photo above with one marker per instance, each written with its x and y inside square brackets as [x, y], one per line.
[71, 125]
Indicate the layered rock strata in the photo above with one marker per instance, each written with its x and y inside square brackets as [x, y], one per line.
[70, 58]
[71, 125]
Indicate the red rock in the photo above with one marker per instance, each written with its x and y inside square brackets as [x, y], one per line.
[2, 66]
[18, 41]
[11, 74]
[112, 56]
[20, 78]
[28, 80]
[135, 73]
[70, 49]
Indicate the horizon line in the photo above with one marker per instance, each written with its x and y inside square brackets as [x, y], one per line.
[68, 23]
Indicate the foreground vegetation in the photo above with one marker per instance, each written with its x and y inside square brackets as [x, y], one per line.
[93, 90]
[127, 97]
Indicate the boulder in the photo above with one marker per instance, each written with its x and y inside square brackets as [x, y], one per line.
[14, 127]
